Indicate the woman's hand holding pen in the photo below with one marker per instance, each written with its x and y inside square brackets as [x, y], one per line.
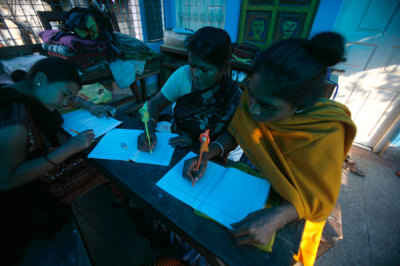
[80, 142]
[190, 168]
[143, 142]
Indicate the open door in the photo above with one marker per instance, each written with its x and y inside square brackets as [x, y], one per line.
[370, 85]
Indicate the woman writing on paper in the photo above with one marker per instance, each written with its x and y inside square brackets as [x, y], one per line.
[30, 127]
[36, 159]
[205, 96]
[292, 137]
[35, 156]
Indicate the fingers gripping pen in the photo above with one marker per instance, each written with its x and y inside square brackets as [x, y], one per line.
[145, 117]
[204, 140]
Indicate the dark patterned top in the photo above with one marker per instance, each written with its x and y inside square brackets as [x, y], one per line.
[16, 113]
[68, 180]
[212, 109]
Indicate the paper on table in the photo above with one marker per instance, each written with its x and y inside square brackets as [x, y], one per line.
[121, 144]
[226, 195]
[81, 120]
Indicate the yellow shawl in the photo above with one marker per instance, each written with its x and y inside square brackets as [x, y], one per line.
[302, 156]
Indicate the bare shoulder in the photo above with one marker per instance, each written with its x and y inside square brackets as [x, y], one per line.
[14, 135]
[13, 151]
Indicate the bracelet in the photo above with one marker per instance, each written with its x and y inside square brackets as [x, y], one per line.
[50, 161]
[220, 146]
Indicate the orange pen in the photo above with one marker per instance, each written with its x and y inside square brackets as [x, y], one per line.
[205, 140]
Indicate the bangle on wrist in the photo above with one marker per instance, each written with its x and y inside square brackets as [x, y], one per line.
[220, 147]
[50, 161]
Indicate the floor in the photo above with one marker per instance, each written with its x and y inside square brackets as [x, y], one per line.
[370, 219]
[370, 213]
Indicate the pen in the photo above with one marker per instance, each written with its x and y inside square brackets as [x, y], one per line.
[74, 131]
[205, 140]
[144, 111]
[148, 136]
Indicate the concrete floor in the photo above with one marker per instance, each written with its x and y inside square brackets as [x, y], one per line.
[370, 218]
[370, 214]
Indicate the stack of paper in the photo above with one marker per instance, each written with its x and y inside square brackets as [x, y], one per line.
[121, 144]
[81, 120]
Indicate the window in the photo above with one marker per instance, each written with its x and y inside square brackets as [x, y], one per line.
[195, 14]
[20, 24]
[154, 17]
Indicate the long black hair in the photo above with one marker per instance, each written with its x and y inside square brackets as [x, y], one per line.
[56, 70]
[294, 70]
[211, 44]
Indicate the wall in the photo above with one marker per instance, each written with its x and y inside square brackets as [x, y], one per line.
[232, 18]
[326, 16]
[325, 20]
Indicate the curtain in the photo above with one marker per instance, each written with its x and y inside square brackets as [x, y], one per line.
[195, 14]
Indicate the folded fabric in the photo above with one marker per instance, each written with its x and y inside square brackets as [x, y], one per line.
[84, 60]
[128, 44]
[132, 48]
[69, 40]
[58, 49]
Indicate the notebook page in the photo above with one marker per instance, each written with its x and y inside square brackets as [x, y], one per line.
[182, 189]
[118, 144]
[235, 196]
[162, 153]
[81, 120]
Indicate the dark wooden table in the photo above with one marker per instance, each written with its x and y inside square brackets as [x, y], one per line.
[138, 182]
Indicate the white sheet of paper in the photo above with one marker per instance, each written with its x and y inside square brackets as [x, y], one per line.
[235, 196]
[81, 120]
[182, 189]
[118, 144]
[121, 144]
[227, 195]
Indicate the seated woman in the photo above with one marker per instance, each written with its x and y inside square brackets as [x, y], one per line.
[36, 158]
[30, 127]
[294, 138]
[205, 96]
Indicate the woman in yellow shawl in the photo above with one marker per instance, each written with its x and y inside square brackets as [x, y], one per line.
[295, 139]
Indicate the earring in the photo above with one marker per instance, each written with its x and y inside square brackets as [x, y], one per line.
[38, 84]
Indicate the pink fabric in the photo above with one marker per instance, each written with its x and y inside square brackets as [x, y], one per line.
[71, 41]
